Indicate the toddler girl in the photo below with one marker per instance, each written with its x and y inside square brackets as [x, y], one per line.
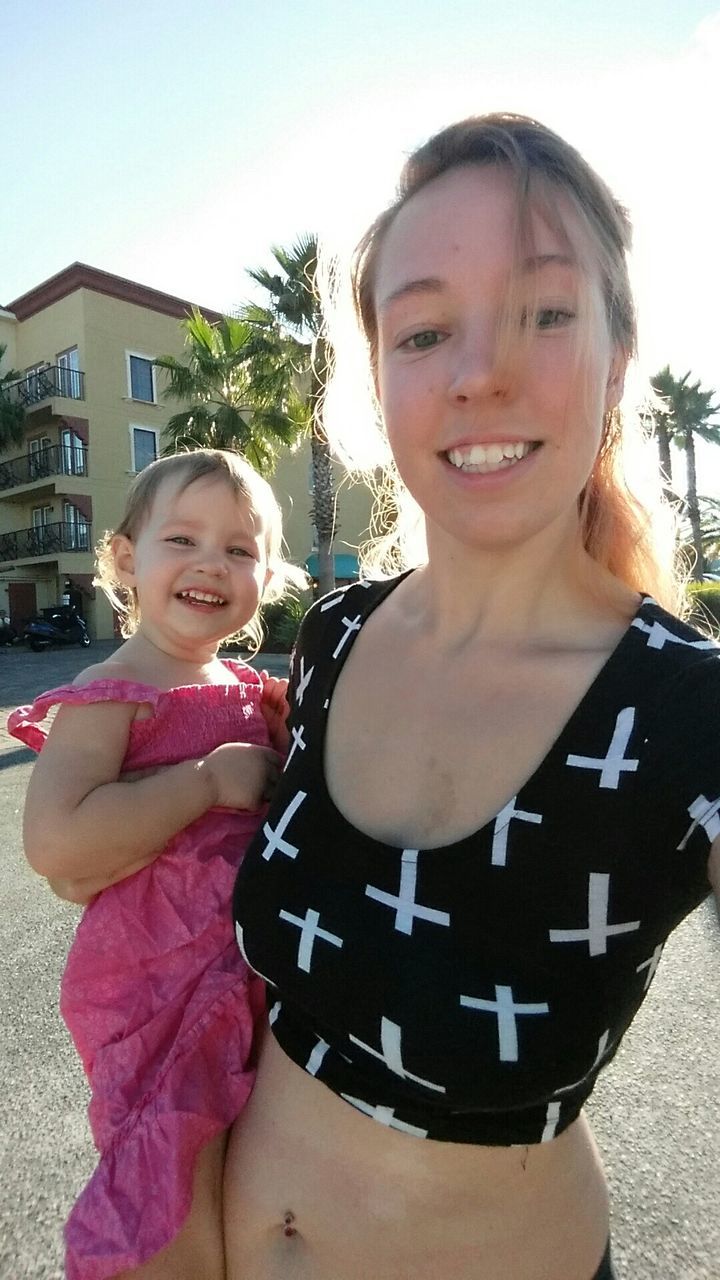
[157, 998]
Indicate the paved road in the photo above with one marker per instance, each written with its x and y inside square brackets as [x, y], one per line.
[655, 1112]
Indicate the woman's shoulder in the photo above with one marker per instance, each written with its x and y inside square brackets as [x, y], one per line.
[666, 632]
[356, 600]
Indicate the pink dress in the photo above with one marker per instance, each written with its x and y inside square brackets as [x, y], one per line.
[155, 993]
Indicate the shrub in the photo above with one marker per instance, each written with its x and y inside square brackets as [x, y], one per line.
[705, 601]
[281, 621]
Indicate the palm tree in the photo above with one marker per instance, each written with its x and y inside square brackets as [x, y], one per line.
[292, 317]
[687, 411]
[227, 405]
[12, 413]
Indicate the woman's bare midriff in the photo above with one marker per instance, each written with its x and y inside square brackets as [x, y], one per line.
[316, 1191]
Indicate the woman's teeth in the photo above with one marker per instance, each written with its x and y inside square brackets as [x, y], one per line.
[489, 457]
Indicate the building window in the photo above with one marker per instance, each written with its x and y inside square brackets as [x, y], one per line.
[143, 446]
[141, 378]
[73, 458]
[68, 373]
[77, 529]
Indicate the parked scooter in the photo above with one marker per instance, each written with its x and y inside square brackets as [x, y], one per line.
[61, 625]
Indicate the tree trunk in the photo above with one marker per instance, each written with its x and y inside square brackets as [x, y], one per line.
[323, 511]
[662, 435]
[323, 481]
[693, 508]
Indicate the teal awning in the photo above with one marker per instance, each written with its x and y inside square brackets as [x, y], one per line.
[346, 566]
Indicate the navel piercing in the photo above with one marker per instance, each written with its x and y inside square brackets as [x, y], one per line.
[289, 1229]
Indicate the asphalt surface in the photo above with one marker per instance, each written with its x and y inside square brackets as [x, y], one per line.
[655, 1111]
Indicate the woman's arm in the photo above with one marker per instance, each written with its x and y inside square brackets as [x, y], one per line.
[714, 873]
[81, 822]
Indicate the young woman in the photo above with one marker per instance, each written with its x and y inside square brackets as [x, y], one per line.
[503, 784]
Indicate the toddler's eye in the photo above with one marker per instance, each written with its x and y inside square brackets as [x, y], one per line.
[240, 551]
[422, 340]
[180, 540]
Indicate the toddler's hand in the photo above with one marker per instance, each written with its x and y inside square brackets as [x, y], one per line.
[274, 706]
[244, 776]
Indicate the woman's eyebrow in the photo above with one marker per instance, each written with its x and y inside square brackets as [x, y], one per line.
[539, 260]
[425, 284]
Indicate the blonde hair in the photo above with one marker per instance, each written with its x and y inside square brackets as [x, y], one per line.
[196, 464]
[626, 525]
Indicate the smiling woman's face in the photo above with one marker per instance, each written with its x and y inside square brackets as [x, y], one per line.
[493, 452]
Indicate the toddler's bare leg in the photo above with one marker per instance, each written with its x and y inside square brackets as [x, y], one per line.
[198, 1250]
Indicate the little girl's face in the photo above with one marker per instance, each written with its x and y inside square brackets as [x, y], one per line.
[198, 565]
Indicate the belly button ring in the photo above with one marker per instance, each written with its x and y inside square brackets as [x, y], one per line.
[289, 1229]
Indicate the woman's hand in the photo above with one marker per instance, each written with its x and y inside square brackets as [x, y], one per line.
[274, 706]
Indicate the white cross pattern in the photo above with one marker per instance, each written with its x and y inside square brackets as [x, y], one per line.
[706, 814]
[239, 938]
[502, 824]
[602, 1046]
[273, 1014]
[615, 762]
[552, 1117]
[658, 636]
[303, 682]
[309, 931]
[332, 601]
[407, 909]
[350, 624]
[390, 1036]
[598, 930]
[274, 835]
[504, 1007]
[385, 1115]
[298, 741]
[314, 1062]
[651, 966]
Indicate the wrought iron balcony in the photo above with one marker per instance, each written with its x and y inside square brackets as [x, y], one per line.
[45, 540]
[46, 383]
[53, 460]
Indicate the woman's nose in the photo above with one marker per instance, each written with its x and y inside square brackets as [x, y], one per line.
[477, 372]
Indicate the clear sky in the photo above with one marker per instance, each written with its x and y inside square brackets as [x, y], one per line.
[173, 141]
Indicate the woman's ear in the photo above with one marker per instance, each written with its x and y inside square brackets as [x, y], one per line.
[123, 553]
[616, 381]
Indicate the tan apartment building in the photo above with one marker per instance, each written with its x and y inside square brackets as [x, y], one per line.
[84, 342]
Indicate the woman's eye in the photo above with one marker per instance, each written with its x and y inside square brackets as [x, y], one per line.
[422, 340]
[549, 317]
[179, 540]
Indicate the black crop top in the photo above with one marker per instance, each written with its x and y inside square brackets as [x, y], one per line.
[472, 993]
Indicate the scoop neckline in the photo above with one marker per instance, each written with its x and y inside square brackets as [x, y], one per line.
[465, 842]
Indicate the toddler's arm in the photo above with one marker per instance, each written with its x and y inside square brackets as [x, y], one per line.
[82, 823]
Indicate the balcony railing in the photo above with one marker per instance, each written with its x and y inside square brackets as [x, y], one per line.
[45, 540]
[43, 384]
[53, 460]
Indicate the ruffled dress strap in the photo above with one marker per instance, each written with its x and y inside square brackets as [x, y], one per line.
[27, 723]
[244, 672]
